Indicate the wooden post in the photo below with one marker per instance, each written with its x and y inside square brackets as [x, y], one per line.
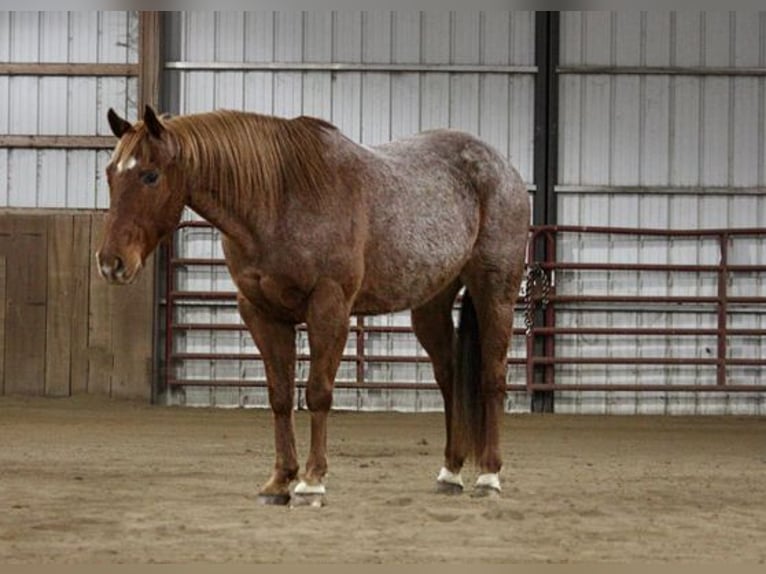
[149, 60]
[2, 324]
[26, 300]
[60, 308]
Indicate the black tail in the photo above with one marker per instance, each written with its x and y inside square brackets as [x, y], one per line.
[467, 404]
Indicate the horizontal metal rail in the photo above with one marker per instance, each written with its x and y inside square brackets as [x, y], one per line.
[242, 327]
[662, 189]
[587, 69]
[423, 359]
[370, 385]
[661, 388]
[347, 67]
[640, 361]
[646, 388]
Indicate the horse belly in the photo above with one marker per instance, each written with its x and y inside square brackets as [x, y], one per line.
[416, 254]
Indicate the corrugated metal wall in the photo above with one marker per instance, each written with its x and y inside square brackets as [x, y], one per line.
[662, 124]
[670, 133]
[398, 73]
[58, 105]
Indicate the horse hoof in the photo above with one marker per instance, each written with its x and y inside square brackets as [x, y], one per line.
[487, 486]
[310, 500]
[449, 488]
[481, 491]
[449, 482]
[274, 499]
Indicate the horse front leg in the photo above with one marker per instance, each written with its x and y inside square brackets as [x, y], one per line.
[327, 324]
[276, 342]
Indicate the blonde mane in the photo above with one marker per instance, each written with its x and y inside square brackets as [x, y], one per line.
[250, 161]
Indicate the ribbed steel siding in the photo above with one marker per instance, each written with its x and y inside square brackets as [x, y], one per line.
[667, 151]
[51, 105]
[370, 107]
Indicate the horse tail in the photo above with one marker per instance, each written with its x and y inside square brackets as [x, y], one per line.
[467, 403]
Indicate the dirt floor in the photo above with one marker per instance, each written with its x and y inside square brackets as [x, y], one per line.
[91, 481]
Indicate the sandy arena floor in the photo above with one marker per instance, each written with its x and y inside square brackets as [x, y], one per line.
[90, 481]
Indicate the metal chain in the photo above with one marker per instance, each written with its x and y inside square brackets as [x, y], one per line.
[538, 287]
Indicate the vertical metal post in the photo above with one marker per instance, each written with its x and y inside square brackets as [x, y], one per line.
[360, 350]
[723, 308]
[530, 335]
[545, 166]
[167, 363]
[549, 314]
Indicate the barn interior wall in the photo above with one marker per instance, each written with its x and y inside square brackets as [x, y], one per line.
[672, 135]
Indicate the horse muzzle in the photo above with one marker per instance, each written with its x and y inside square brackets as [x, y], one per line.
[115, 270]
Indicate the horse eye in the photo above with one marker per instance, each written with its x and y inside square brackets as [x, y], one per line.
[150, 177]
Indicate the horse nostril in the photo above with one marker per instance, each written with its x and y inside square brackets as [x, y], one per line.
[118, 265]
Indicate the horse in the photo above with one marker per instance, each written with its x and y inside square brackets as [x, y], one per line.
[317, 228]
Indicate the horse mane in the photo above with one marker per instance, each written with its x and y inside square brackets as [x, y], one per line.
[251, 160]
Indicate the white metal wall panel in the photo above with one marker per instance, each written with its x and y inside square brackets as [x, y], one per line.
[664, 150]
[52, 105]
[380, 104]
[710, 114]
[370, 106]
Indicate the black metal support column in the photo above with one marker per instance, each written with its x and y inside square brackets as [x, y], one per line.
[165, 96]
[545, 167]
[149, 88]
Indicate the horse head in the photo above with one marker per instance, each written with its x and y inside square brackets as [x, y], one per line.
[146, 196]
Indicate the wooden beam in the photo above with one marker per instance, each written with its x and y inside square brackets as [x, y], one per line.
[102, 303]
[149, 60]
[57, 142]
[46, 69]
[26, 300]
[81, 269]
[60, 317]
[2, 323]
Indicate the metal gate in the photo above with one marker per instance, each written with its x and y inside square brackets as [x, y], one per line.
[723, 355]
[688, 337]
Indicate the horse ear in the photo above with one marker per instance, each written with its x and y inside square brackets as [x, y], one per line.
[153, 124]
[119, 126]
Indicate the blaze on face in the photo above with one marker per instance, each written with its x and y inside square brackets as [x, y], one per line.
[145, 198]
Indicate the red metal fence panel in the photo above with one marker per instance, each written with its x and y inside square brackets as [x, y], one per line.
[542, 359]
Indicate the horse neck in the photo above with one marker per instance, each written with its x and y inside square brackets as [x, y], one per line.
[235, 225]
[243, 203]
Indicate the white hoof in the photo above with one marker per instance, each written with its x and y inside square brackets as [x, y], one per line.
[303, 488]
[488, 483]
[312, 495]
[449, 482]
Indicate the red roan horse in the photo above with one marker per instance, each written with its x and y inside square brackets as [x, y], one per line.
[317, 228]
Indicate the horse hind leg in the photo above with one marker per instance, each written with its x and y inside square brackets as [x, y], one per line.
[434, 329]
[494, 295]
